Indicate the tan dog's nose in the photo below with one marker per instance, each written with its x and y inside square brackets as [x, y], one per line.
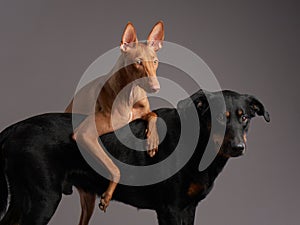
[155, 88]
[154, 84]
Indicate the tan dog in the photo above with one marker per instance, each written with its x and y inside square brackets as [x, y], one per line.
[109, 109]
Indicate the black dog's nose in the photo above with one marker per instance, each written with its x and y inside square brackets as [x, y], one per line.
[239, 147]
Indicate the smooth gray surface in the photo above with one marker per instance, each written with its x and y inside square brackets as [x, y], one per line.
[251, 46]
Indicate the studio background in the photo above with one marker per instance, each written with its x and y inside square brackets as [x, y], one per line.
[251, 46]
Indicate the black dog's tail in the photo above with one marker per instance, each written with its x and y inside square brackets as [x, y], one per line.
[3, 182]
[13, 214]
[3, 190]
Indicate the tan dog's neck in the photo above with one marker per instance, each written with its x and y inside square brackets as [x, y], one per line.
[119, 77]
[120, 85]
[126, 75]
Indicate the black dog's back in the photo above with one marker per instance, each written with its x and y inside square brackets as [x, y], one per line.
[52, 137]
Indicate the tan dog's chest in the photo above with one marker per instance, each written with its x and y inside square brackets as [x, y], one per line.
[124, 109]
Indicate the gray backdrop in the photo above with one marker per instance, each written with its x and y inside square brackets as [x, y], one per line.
[251, 46]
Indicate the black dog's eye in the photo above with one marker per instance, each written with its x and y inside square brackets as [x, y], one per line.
[244, 118]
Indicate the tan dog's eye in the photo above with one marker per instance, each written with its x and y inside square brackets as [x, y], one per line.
[139, 61]
[155, 61]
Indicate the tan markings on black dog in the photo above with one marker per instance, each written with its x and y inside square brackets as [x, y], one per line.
[227, 114]
[240, 112]
[194, 189]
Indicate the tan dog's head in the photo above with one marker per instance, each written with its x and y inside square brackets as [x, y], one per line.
[140, 59]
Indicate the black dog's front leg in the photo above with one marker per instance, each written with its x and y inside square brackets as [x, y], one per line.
[175, 216]
[168, 216]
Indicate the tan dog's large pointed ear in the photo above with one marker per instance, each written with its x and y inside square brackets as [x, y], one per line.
[156, 36]
[129, 37]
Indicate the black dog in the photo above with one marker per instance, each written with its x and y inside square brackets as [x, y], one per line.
[38, 156]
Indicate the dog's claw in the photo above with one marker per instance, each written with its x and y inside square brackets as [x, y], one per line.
[104, 202]
[152, 152]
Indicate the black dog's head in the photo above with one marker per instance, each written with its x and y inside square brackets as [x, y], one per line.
[235, 116]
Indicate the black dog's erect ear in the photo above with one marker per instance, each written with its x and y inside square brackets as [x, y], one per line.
[258, 107]
[202, 105]
[198, 100]
[185, 103]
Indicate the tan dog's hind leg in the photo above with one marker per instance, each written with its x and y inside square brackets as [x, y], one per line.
[87, 201]
[86, 136]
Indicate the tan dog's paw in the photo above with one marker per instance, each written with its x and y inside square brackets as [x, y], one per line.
[152, 142]
[104, 201]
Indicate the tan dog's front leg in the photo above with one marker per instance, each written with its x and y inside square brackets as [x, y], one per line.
[141, 109]
[152, 134]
